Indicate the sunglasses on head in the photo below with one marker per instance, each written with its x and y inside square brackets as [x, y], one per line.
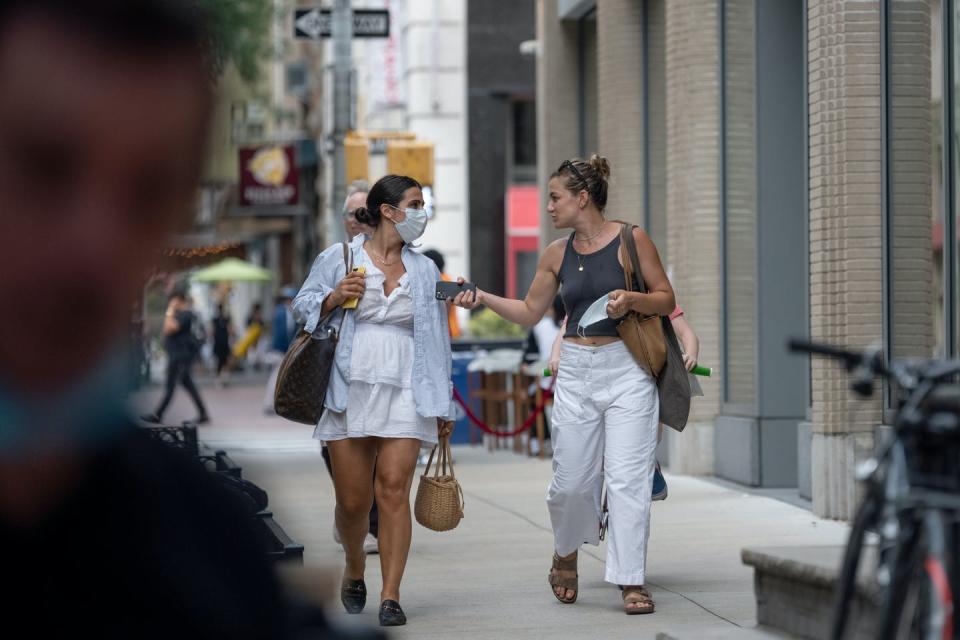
[569, 165]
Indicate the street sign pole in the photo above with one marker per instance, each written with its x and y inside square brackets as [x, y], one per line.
[342, 32]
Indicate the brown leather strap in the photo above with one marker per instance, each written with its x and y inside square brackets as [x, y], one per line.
[633, 259]
[348, 262]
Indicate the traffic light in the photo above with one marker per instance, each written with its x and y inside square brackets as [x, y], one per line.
[411, 158]
[357, 153]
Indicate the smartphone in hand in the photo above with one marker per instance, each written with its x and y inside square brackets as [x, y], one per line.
[451, 289]
[352, 302]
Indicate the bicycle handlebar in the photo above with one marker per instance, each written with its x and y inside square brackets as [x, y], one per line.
[850, 358]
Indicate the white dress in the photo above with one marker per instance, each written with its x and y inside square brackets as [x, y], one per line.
[380, 399]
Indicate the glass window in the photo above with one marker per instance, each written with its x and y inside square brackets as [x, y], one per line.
[740, 201]
[524, 130]
[915, 216]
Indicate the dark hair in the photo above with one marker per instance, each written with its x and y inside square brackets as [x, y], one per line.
[387, 190]
[137, 26]
[586, 176]
[437, 258]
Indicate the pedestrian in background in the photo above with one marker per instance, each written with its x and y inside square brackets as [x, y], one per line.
[222, 331]
[542, 340]
[182, 348]
[390, 388]
[246, 347]
[283, 327]
[356, 199]
[452, 321]
[605, 404]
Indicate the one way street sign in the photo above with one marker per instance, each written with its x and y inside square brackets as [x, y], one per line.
[314, 24]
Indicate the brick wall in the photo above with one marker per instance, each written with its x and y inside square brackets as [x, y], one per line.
[845, 232]
[620, 104]
[693, 199]
[557, 117]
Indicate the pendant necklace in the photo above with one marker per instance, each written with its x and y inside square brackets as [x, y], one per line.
[580, 257]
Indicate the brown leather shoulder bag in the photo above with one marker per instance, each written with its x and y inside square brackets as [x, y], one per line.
[653, 343]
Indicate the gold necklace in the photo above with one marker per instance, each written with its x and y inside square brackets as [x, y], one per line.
[576, 239]
[591, 237]
[380, 258]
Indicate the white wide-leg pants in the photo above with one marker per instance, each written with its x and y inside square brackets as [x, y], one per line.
[604, 427]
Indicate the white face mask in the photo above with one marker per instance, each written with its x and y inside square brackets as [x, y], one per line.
[413, 226]
[595, 312]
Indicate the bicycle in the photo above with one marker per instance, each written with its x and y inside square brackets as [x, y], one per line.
[911, 498]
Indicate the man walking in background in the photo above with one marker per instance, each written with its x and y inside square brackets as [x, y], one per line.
[182, 348]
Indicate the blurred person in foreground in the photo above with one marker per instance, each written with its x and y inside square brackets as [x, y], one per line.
[104, 108]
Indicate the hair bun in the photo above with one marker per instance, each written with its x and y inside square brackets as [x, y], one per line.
[362, 215]
[600, 165]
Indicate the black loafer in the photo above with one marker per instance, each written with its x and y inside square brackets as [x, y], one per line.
[353, 595]
[391, 615]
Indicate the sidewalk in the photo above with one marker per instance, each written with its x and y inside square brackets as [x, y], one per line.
[487, 578]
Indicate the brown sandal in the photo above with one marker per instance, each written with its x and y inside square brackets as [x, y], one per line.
[640, 598]
[568, 564]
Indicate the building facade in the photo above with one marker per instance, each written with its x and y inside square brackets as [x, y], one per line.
[795, 164]
[502, 145]
[413, 82]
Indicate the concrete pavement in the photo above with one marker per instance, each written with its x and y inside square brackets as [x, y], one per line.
[487, 578]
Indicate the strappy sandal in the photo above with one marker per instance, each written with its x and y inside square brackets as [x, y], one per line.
[640, 598]
[353, 595]
[568, 564]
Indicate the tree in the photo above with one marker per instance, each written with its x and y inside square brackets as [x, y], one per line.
[240, 31]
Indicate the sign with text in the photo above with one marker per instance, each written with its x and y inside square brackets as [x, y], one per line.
[314, 24]
[268, 176]
[384, 77]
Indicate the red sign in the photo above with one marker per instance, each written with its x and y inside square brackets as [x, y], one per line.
[268, 176]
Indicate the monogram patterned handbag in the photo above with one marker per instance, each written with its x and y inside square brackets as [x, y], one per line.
[305, 371]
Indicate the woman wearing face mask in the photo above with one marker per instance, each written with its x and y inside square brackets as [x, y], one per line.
[390, 388]
[605, 405]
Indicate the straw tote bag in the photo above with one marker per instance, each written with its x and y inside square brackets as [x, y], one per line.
[439, 503]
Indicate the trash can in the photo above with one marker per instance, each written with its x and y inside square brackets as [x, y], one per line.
[461, 382]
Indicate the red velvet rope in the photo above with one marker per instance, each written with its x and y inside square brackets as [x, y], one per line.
[488, 429]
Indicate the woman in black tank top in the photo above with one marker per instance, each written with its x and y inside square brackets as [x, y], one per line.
[605, 405]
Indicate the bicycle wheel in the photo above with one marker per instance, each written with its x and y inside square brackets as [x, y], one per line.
[935, 621]
[919, 600]
[845, 590]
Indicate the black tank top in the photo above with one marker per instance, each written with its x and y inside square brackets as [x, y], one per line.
[601, 274]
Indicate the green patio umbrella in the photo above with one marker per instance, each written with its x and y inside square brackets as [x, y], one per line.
[232, 270]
